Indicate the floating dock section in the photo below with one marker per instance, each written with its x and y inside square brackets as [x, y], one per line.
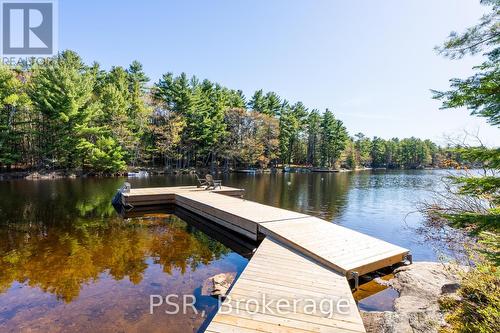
[300, 257]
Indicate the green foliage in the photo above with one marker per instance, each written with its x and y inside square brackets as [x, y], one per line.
[483, 35]
[79, 117]
[62, 92]
[486, 187]
[313, 137]
[333, 139]
[409, 153]
[350, 160]
[288, 127]
[363, 148]
[105, 155]
[488, 157]
[65, 114]
[291, 125]
[273, 104]
[472, 201]
[14, 105]
[489, 244]
[378, 152]
[414, 153]
[258, 102]
[480, 92]
[478, 309]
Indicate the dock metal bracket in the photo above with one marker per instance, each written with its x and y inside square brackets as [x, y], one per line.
[125, 188]
[355, 276]
[408, 257]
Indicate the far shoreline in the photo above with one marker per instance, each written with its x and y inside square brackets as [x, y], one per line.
[71, 174]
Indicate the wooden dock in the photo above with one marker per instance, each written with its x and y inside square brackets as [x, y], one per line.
[300, 257]
[166, 195]
[278, 274]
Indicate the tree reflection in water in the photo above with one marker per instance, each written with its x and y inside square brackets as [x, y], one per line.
[60, 259]
[68, 262]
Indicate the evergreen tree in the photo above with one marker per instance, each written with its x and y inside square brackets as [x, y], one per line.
[116, 105]
[313, 137]
[363, 148]
[480, 93]
[14, 111]
[287, 125]
[273, 104]
[138, 111]
[137, 78]
[471, 201]
[349, 158]
[392, 153]
[64, 114]
[236, 99]
[333, 139]
[62, 91]
[258, 102]
[378, 153]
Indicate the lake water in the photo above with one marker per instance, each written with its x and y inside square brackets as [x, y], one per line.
[69, 263]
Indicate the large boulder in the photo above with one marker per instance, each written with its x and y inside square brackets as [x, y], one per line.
[416, 310]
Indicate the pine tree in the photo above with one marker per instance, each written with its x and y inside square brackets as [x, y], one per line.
[62, 91]
[14, 111]
[287, 125]
[378, 152]
[258, 102]
[273, 104]
[363, 147]
[349, 157]
[313, 137]
[333, 139]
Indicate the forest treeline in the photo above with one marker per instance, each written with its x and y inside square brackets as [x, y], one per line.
[64, 114]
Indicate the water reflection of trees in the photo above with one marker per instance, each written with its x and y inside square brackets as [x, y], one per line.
[56, 202]
[61, 234]
[320, 194]
[60, 259]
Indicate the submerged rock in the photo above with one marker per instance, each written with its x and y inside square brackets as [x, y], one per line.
[218, 285]
[420, 286]
[34, 175]
[46, 175]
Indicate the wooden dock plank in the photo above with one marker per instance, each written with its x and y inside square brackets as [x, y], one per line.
[338, 247]
[164, 195]
[266, 287]
[245, 209]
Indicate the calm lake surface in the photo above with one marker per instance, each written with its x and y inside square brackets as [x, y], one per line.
[68, 262]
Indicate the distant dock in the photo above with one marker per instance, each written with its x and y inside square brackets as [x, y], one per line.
[300, 256]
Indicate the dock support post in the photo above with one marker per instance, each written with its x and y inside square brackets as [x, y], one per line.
[355, 276]
[125, 188]
[118, 198]
[409, 257]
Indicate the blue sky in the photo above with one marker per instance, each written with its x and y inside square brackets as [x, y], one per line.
[371, 62]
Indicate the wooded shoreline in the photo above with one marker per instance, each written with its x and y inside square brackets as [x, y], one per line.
[67, 115]
[71, 174]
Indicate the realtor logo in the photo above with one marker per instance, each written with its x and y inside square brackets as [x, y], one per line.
[28, 28]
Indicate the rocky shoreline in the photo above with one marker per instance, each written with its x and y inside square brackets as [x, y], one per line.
[416, 310]
[42, 175]
[59, 174]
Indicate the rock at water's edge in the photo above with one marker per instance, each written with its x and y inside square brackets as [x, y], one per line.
[420, 286]
[218, 285]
